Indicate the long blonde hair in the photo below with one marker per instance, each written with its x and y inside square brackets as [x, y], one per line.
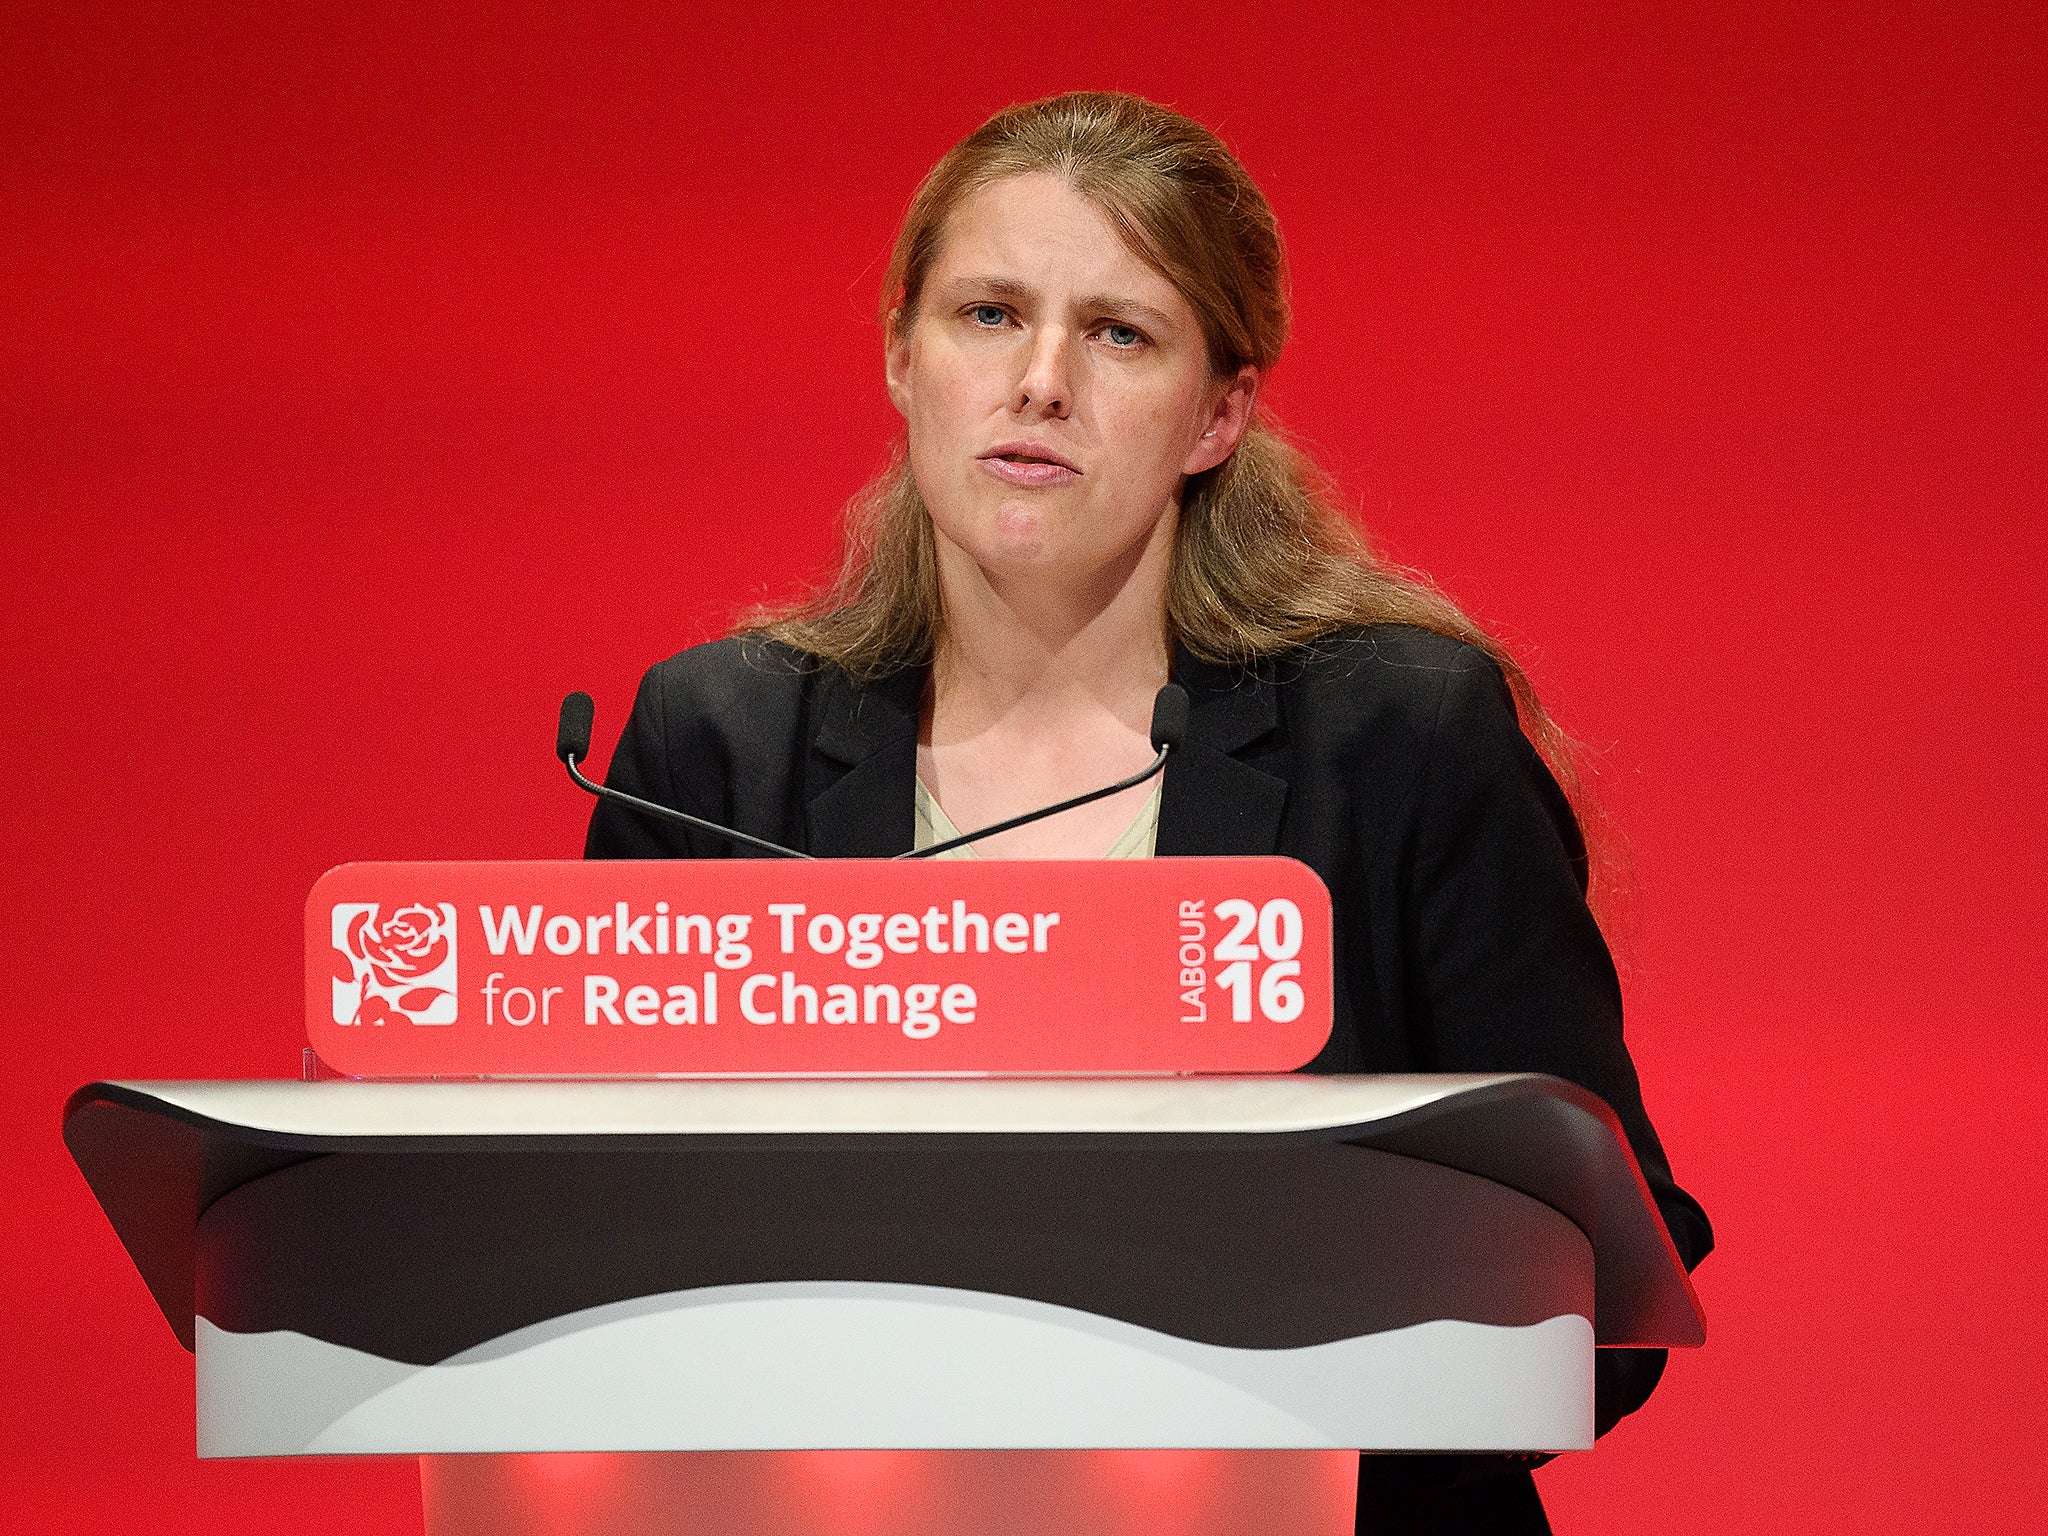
[1266, 559]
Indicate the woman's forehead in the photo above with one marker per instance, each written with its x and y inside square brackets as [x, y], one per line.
[1034, 237]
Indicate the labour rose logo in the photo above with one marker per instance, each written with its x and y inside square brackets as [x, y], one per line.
[395, 971]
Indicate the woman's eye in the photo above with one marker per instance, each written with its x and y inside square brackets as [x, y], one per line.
[1122, 335]
[987, 314]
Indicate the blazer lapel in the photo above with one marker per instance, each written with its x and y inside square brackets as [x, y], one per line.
[860, 780]
[1214, 803]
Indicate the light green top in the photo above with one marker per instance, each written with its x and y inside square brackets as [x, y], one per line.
[935, 826]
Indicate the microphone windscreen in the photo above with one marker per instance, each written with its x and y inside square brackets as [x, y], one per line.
[1169, 717]
[572, 734]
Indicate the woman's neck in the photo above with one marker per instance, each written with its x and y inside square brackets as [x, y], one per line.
[1040, 691]
[1026, 649]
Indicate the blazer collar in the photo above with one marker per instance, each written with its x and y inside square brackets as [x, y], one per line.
[857, 720]
[862, 778]
[1229, 708]
[1215, 801]
[860, 795]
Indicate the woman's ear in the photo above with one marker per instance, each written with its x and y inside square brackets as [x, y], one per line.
[1229, 414]
[896, 360]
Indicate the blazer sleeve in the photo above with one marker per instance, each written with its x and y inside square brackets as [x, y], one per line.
[1507, 967]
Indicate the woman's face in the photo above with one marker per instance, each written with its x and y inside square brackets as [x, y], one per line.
[1057, 390]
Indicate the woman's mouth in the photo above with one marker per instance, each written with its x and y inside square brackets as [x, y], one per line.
[1028, 466]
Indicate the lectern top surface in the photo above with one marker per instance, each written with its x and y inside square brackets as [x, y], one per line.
[1235, 1106]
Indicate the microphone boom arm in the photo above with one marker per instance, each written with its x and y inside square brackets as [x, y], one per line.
[1107, 790]
[649, 808]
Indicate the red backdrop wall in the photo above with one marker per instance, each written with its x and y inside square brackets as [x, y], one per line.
[373, 375]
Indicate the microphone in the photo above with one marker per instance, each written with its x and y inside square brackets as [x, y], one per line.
[1169, 729]
[1169, 719]
[572, 734]
[572, 745]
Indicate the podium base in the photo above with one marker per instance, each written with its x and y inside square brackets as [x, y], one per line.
[892, 1493]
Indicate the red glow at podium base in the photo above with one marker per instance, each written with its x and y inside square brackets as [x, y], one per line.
[892, 1493]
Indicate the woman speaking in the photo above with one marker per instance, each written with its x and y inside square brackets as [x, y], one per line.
[1083, 299]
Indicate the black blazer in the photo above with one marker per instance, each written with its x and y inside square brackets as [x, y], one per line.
[1387, 759]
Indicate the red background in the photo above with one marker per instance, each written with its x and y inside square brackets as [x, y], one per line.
[375, 374]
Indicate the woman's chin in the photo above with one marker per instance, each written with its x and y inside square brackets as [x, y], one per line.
[1014, 542]
[1022, 543]
[1021, 526]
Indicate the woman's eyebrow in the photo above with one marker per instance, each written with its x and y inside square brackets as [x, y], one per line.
[1009, 289]
[995, 287]
[1127, 309]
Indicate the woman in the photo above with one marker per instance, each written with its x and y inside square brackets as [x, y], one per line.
[1083, 300]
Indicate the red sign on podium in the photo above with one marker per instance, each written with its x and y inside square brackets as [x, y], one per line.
[757, 967]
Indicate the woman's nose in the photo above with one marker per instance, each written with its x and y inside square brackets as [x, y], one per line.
[1046, 386]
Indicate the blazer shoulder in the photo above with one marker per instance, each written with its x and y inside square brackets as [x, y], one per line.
[1401, 670]
[738, 673]
[729, 709]
[715, 730]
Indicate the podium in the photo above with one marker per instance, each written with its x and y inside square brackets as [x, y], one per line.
[479, 1273]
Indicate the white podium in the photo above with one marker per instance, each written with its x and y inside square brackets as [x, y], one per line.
[477, 1272]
